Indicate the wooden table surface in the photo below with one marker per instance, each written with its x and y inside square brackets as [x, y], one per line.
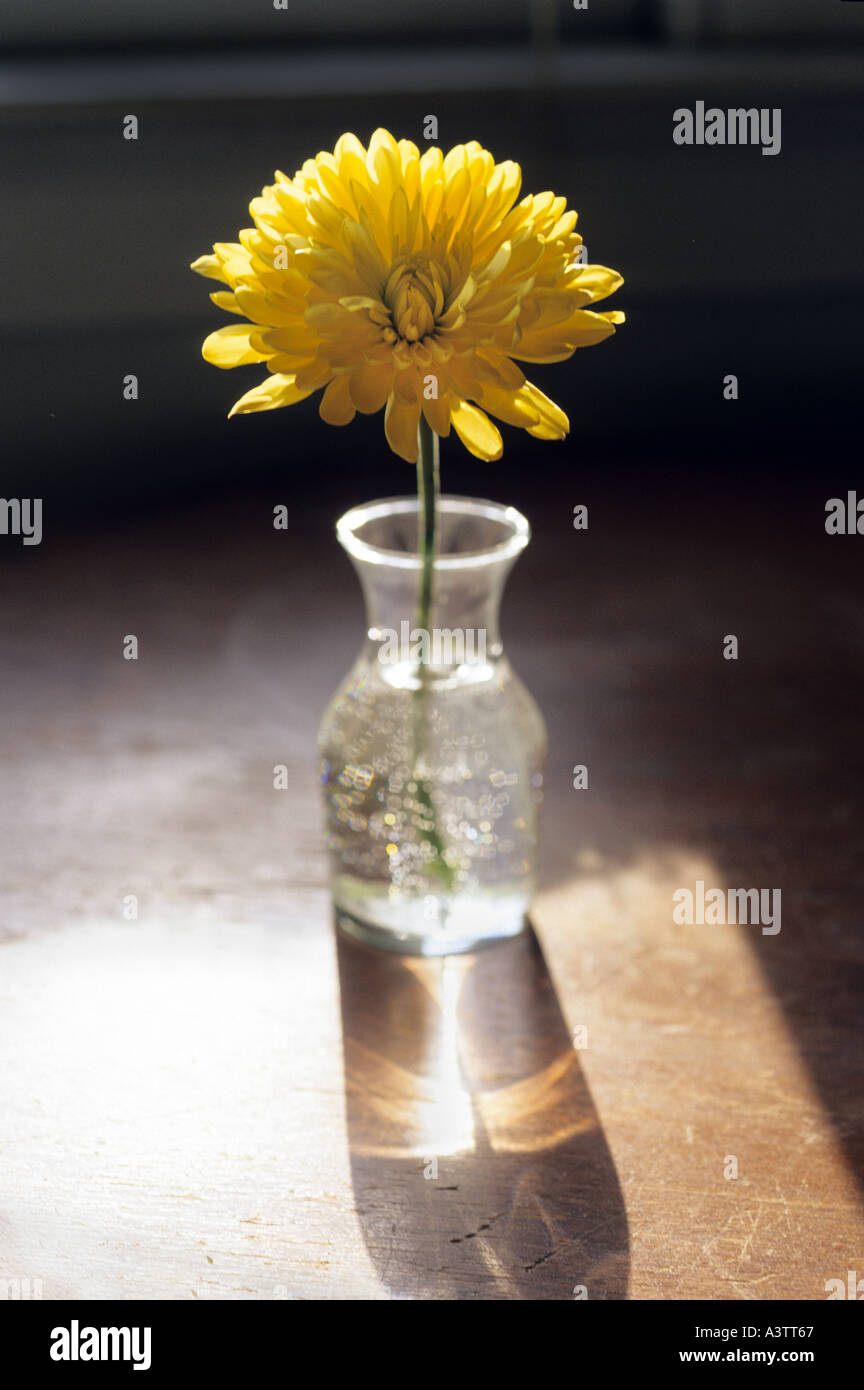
[222, 1099]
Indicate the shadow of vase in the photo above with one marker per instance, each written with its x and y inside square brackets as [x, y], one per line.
[479, 1165]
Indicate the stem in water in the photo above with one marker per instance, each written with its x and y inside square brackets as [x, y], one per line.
[427, 494]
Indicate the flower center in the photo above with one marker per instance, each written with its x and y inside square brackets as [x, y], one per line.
[415, 297]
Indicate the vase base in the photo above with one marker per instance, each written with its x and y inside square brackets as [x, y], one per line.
[457, 926]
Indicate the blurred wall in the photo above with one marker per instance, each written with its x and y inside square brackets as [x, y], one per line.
[733, 262]
[162, 22]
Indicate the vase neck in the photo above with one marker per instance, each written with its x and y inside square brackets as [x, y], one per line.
[478, 544]
[463, 616]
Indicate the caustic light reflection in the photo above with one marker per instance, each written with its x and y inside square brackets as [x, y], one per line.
[410, 1104]
[483, 1060]
[429, 1110]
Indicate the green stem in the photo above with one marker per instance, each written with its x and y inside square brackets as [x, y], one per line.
[427, 496]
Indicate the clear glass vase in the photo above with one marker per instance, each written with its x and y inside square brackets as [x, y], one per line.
[432, 750]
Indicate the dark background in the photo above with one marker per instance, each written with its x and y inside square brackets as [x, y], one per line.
[734, 262]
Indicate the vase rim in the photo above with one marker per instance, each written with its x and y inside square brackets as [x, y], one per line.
[449, 504]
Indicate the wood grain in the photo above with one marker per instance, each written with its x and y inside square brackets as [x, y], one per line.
[223, 1099]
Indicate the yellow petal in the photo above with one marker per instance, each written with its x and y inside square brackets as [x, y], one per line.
[507, 373]
[295, 337]
[512, 407]
[336, 406]
[266, 308]
[384, 164]
[230, 347]
[598, 280]
[406, 387]
[370, 386]
[224, 299]
[582, 329]
[312, 375]
[437, 414]
[400, 427]
[209, 266]
[348, 145]
[477, 432]
[552, 423]
[276, 391]
[528, 408]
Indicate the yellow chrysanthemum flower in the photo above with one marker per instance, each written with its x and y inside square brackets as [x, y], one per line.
[412, 282]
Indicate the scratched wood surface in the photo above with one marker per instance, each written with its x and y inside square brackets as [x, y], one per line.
[222, 1099]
